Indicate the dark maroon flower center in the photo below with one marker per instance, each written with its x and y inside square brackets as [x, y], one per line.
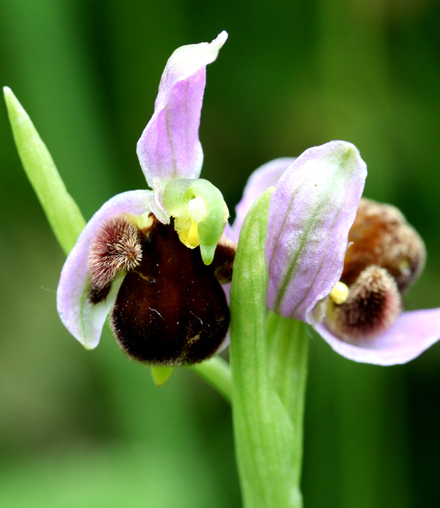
[170, 309]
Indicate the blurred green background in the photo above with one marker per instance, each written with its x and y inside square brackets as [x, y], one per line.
[88, 429]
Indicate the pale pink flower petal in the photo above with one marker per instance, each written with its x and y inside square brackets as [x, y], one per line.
[311, 212]
[169, 146]
[413, 333]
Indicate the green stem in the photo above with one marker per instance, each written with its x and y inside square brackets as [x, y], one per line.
[288, 346]
[264, 433]
[217, 373]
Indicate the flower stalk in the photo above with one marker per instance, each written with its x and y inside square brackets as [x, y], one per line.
[217, 373]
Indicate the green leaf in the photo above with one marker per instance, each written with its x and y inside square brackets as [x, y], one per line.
[288, 346]
[61, 210]
[264, 434]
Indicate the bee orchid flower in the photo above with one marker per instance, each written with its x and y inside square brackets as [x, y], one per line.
[339, 262]
[148, 256]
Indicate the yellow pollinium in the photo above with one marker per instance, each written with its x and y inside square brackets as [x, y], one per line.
[188, 232]
[339, 293]
[193, 235]
[186, 223]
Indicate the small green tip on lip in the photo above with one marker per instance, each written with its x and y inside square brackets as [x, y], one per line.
[160, 374]
[207, 252]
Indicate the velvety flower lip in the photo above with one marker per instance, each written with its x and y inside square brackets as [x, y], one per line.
[169, 146]
[311, 212]
[83, 319]
[413, 333]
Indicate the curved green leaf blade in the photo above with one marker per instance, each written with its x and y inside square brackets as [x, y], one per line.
[61, 210]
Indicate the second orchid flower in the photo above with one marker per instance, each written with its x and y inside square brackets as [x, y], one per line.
[338, 262]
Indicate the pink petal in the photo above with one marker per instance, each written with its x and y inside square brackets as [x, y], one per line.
[83, 319]
[261, 179]
[413, 333]
[311, 212]
[169, 146]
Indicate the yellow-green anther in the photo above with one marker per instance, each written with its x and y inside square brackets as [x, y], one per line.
[200, 214]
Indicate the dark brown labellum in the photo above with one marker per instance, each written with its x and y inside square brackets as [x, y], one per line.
[170, 309]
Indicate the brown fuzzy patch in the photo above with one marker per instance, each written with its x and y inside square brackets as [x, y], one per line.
[381, 236]
[373, 305]
[117, 247]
